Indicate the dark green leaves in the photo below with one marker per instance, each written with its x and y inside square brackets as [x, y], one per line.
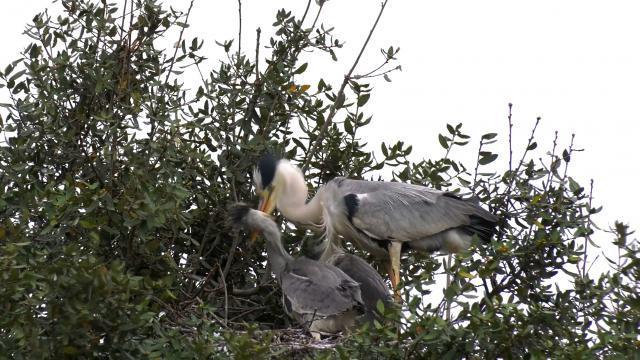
[362, 99]
[301, 69]
[489, 136]
[444, 141]
[487, 157]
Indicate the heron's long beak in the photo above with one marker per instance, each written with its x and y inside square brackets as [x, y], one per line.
[267, 204]
[395, 249]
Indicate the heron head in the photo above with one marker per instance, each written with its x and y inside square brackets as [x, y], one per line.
[264, 177]
[243, 216]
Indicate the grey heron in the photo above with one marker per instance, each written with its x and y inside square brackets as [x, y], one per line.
[317, 295]
[383, 218]
[372, 285]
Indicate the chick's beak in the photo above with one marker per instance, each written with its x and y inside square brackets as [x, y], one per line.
[267, 205]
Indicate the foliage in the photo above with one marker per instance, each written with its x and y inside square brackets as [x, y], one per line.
[115, 179]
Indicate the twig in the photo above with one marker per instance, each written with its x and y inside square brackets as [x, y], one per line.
[306, 11]
[175, 52]
[566, 167]
[507, 192]
[226, 296]
[449, 280]
[475, 173]
[587, 237]
[232, 252]
[258, 31]
[257, 90]
[510, 140]
[204, 283]
[239, 27]
[340, 95]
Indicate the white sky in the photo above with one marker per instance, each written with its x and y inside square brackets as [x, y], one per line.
[574, 63]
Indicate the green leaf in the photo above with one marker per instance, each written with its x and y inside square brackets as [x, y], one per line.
[489, 136]
[301, 69]
[487, 159]
[362, 99]
[443, 141]
[574, 186]
[451, 130]
[17, 75]
[465, 274]
[299, 144]
[380, 307]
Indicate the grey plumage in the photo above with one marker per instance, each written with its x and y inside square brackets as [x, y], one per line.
[420, 217]
[320, 296]
[372, 286]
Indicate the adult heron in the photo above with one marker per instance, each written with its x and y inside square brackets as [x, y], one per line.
[383, 218]
[318, 295]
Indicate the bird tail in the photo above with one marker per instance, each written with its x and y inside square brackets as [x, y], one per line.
[481, 226]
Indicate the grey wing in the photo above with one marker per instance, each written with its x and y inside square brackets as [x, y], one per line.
[316, 288]
[405, 212]
[372, 286]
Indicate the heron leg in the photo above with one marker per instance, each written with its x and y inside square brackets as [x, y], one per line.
[395, 249]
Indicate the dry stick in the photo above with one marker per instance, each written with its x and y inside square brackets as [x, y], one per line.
[340, 96]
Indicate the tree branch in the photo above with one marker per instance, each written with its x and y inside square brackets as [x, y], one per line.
[340, 97]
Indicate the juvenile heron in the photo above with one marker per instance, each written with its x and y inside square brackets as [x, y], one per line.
[319, 296]
[372, 285]
[383, 218]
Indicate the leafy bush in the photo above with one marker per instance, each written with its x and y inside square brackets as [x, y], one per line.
[115, 179]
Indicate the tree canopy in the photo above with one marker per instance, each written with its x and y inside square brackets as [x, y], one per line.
[115, 178]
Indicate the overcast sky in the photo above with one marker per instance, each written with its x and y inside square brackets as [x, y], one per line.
[576, 64]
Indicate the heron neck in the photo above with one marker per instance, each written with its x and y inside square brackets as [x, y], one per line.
[333, 248]
[295, 208]
[277, 255]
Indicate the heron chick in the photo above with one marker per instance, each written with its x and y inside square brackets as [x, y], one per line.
[319, 296]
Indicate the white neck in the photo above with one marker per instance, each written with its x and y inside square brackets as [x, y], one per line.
[292, 200]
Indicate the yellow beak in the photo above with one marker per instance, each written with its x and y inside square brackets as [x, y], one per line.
[267, 205]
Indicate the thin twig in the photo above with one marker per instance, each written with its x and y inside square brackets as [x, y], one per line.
[587, 237]
[226, 296]
[232, 252]
[512, 177]
[510, 139]
[175, 52]
[239, 27]
[449, 280]
[340, 95]
[258, 31]
[306, 11]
